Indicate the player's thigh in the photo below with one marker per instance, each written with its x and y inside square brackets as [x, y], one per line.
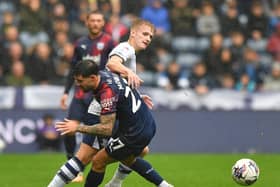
[101, 160]
[85, 153]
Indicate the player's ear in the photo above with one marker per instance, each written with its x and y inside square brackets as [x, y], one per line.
[132, 32]
[93, 77]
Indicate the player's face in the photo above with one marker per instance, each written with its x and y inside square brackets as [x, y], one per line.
[95, 23]
[85, 83]
[142, 36]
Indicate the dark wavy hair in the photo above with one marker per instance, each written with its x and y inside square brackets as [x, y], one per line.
[86, 68]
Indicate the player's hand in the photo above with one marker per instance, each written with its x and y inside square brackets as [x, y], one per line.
[67, 126]
[63, 101]
[134, 80]
[148, 101]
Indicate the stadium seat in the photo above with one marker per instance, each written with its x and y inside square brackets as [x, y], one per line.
[202, 43]
[187, 60]
[183, 44]
[259, 46]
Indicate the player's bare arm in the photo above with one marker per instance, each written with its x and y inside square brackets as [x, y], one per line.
[104, 128]
[115, 64]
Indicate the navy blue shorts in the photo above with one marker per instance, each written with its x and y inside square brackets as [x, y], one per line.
[120, 147]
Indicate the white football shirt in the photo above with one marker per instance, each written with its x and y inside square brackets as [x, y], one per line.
[127, 53]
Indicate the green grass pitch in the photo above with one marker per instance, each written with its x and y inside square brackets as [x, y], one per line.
[182, 170]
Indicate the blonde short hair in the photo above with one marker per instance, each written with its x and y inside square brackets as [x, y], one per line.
[139, 22]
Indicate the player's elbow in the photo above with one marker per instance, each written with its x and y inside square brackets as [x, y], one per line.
[107, 131]
[110, 65]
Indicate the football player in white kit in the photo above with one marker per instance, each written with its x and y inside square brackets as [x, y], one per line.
[122, 59]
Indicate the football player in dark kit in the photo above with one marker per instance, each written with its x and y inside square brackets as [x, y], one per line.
[136, 126]
[96, 46]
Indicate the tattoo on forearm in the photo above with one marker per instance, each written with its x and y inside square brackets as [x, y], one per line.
[104, 128]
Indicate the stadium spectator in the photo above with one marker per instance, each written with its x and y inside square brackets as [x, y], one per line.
[157, 14]
[48, 138]
[212, 56]
[148, 64]
[173, 78]
[207, 22]
[272, 80]
[13, 53]
[33, 24]
[274, 18]
[273, 45]
[227, 81]
[245, 84]
[61, 63]
[237, 47]
[257, 20]
[40, 65]
[200, 80]
[116, 28]
[60, 25]
[58, 11]
[17, 76]
[107, 7]
[11, 34]
[230, 22]
[252, 67]
[8, 20]
[257, 42]
[182, 19]
[77, 26]
[130, 8]
[60, 39]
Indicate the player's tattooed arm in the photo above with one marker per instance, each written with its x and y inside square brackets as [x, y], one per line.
[104, 128]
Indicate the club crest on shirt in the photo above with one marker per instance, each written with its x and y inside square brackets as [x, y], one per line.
[96, 58]
[100, 45]
[83, 46]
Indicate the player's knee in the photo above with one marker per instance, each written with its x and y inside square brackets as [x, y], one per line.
[85, 153]
[85, 159]
[129, 161]
[145, 151]
[98, 165]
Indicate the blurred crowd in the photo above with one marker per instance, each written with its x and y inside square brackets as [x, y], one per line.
[199, 44]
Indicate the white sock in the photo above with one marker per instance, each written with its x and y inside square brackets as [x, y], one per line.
[164, 184]
[120, 176]
[67, 173]
[57, 182]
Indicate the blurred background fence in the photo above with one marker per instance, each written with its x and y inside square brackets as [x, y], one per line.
[187, 122]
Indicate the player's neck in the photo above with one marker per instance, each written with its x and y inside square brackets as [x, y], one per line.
[94, 36]
[132, 44]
